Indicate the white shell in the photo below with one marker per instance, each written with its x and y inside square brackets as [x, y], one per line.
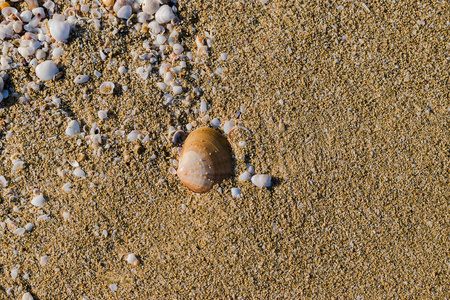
[131, 258]
[26, 16]
[27, 296]
[46, 70]
[38, 200]
[124, 12]
[59, 30]
[3, 181]
[177, 49]
[81, 79]
[102, 114]
[154, 27]
[150, 7]
[245, 176]
[228, 126]
[73, 128]
[78, 172]
[164, 14]
[107, 87]
[262, 180]
[215, 123]
[133, 135]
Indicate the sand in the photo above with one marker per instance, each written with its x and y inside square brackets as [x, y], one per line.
[348, 111]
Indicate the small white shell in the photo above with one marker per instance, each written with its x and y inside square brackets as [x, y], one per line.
[124, 12]
[131, 259]
[3, 181]
[38, 200]
[142, 72]
[107, 87]
[73, 128]
[177, 49]
[245, 176]
[27, 296]
[46, 70]
[177, 89]
[262, 180]
[81, 79]
[150, 7]
[26, 16]
[215, 123]
[133, 135]
[59, 30]
[67, 187]
[102, 114]
[164, 14]
[78, 172]
[154, 27]
[228, 126]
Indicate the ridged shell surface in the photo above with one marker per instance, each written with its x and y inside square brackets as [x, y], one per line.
[204, 160]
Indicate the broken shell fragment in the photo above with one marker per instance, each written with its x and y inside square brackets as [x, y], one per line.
[262, 180]
[204, 160]
[46, 70]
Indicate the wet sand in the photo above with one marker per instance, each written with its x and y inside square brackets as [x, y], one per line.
[348, 111]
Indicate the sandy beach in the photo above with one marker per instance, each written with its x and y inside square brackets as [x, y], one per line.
[345, 105]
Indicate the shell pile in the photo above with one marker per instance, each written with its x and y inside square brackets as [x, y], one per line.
[204, 160]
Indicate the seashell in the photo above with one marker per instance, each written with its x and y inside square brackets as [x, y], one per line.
[124, 12]
[8, 11]
[245, 176]
[107, 87]
[26, 16]
[150, 7]
[204, 160]
[103, 114]
[154, 27]
[27, 296]
[38, 200]
[177, 49]
[164, 14]
[73, 128]
[46, 70]
[262, 180]
[59, 30]
[81, 79]
[78, 172]
[119, 4]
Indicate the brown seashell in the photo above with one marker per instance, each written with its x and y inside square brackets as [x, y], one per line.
[204, 160]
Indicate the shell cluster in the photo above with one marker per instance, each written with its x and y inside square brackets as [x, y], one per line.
[205, 160]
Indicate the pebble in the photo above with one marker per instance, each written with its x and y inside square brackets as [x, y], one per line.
[14, 273]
